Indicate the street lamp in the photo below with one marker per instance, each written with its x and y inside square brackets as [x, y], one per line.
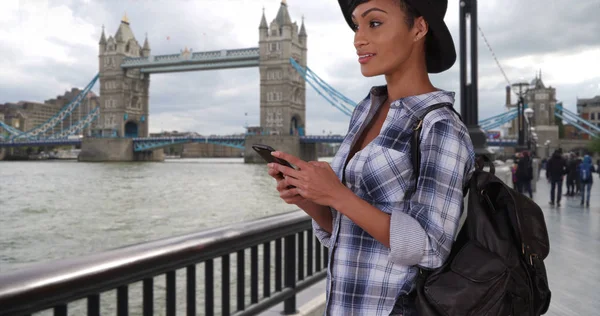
[529, 113]
[469, 101]
[528, 116]
[520, 106]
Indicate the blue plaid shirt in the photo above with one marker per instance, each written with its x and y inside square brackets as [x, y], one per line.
[365, 277]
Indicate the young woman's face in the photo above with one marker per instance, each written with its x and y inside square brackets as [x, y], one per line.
[383, 40]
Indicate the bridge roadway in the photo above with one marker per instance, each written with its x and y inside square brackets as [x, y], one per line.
[572, 265]
[150, 143]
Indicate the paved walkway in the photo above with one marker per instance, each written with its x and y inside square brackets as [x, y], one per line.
[573, 265]
[574, 261]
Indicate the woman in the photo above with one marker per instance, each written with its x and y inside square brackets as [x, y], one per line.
[378, 237]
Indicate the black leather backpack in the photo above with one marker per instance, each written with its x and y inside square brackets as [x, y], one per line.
[495, 266]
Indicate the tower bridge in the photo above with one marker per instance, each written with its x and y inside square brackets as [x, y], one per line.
[126, 66]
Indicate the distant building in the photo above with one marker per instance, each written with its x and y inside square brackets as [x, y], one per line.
[542, 99]
[26, 115]
[87, 105]
[589, 109]
[538, 97]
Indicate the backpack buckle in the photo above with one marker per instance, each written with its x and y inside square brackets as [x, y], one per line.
[418, 125]
[533, 255]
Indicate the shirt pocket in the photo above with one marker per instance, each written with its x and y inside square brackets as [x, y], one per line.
[386, 175]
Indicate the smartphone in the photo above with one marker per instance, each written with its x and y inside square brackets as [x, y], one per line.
[265, 152]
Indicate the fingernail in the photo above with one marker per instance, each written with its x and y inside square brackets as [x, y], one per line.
[275, 153]
[270, 165]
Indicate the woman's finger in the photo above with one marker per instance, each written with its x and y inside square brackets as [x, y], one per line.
[293, 182]
[294, 200]
[275, 174]
[287, 171]
[282, 185]
[289, 193]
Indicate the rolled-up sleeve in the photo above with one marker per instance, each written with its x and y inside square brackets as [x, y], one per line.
[422, 229]
[322, 235]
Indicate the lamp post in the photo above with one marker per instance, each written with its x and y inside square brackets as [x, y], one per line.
[468, 79]
[528, 116]
[520, 109]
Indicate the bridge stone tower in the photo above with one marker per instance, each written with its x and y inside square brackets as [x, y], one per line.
[123, 92]
[282, 89]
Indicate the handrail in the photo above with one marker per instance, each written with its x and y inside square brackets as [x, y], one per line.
[50, 284]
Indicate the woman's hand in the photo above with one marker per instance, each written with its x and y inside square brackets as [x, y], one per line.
[314, 181]
[287, 194]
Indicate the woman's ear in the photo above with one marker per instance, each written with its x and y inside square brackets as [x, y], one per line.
[421, 28]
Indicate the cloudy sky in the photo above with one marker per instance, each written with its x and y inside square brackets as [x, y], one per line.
[49, 46]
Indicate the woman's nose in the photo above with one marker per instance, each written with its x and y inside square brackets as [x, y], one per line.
[359, 40]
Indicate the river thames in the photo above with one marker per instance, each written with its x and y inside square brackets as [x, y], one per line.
[58, 209]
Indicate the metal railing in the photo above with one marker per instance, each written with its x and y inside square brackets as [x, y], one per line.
[299, 262]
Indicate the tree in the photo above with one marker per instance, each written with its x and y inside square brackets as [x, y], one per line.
[594, 145]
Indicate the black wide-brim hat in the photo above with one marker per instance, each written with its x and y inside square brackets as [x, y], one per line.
[440, 53]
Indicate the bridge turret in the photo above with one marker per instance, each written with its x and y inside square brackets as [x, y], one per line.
[263, 29]
[126, 42]
[123, 92]
[102, 43]
[146, 49]
[302, 34]
[282, 96]
[284, 21]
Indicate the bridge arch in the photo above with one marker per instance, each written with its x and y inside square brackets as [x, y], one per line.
[296, 125]
[131, 129]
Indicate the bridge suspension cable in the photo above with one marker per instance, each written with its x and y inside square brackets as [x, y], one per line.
[38, 131]
[334, 97]
[499, 116]
[79, 125]
[501, 121]
[494, 55]
[575, 120]
[11, 130]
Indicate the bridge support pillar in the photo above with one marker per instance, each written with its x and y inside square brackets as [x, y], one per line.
[287, 143]
[115, 150]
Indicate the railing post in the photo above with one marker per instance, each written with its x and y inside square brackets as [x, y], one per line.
[289, 268]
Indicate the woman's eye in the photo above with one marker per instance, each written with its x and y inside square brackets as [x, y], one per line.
[374, 24]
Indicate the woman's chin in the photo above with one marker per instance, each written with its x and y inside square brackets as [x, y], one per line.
[369, 71]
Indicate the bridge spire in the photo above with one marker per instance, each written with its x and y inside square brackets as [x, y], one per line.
[283, 16]
[102, 37]
[263, 21]
[125, 19]
[146, 48]
[302, 32]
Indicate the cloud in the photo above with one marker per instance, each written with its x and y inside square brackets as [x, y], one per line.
[49, 46]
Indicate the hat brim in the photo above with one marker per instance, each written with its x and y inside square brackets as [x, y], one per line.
[440, 53]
